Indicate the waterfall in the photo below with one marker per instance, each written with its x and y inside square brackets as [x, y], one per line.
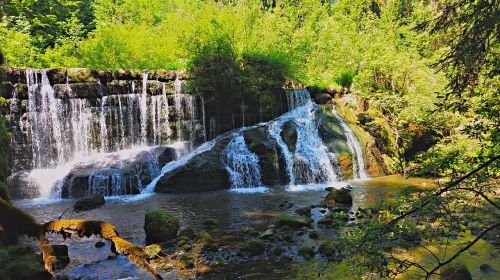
[358, 164]
[144, 108]
[65, 130]
[311, 162]
[241, 164]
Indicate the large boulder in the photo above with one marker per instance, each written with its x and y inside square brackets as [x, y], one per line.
[160, 226]
[340, 196]
[203, 172]
[90, 202]
[21, 186]
[265, 147]
[322, 98]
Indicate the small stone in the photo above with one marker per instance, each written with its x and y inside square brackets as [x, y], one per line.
[100, 244]
[329, 189]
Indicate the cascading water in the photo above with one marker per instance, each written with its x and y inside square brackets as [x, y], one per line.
[241, 164]
[63, 130]
[358, 163]
[310, 162]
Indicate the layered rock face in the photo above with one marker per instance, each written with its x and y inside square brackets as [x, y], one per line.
[300, 147]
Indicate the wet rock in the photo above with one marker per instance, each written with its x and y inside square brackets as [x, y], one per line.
[211, 223]
[117, 87]
[6, 90]
[160, 226]
[86, 90]
[289, 135]
[486, 268]
[99, 244]
[187, 233]
[306, 252]
[313, 234]
[292, 221]
[277, 251]
[341, 196]
[56, 76]
[21, 186]
[61, 254]
[329, 189]
[288, 238]
[266, 148]
[322, 98]
[204, 172]
[455, 272]
[254, 246]
[90, 202]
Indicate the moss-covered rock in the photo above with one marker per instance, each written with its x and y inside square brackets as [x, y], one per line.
[211, 223]
[292, 221]
[160, 226]
[21, 263]
[254, 246]
[90, 202]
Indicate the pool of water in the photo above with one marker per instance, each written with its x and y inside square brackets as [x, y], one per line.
[234, 210]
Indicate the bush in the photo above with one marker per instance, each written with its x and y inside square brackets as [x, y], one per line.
[160, 226]
[345, 79]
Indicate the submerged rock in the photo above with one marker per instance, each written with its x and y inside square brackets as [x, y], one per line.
[90, 202]
[341, 196]
[160, 226]
[211, 223]
[292, 221]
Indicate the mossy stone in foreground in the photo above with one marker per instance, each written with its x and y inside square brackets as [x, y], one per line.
[90, 202]
[254, 246]
[160, 226]
[21, 263]
[292, 221]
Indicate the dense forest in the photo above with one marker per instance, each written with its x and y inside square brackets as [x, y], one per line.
[428, 69]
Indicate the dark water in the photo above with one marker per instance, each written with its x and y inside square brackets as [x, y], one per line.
[233, 210]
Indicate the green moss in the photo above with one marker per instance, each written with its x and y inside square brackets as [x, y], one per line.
[203, 236]
[20, 262]
[292, 221]
[254, 246]
[160, 226]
